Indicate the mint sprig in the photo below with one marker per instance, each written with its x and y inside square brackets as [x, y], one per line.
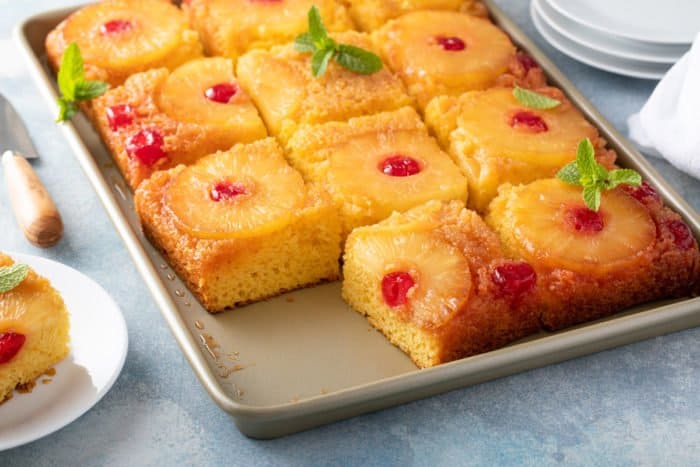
[324, 49]
[73, 85]
[593, 177]
[534, 100]
[12, 276]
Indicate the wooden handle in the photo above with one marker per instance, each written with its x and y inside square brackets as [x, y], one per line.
[35, 211]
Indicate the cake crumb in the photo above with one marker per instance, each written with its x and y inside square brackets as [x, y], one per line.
[290, 299]
[50, 372]
[198, 324]
[46, 380]
[210, 345]
[26, 388]
[227, 371]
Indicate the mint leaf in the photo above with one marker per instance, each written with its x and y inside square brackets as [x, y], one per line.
[71, 71]
[86, 90]
[624, 176]
[73, 85]
[304, 43]
[319, 61]
[585, 159]
[12, 276]
[66, 110]
[358, 60]
[533, 99]
[570, 174]
[591, 196]
[317, 42]
[317, 30]
[594, 177]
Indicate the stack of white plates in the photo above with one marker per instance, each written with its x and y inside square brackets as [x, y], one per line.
[640, 38]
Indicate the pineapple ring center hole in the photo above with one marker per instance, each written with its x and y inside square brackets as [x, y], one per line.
[582, 220]
[528, 121]
[398, 165]
[116, 26]
[450, 44]
[227, 190]
[396, 287]
[221, 93]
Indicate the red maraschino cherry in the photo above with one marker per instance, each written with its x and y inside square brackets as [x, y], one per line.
[528, 121]
[225, 190]
[395, 287]
[10, 344]
[221, 93]
[146, 146]
[399, 166]
[116, 26]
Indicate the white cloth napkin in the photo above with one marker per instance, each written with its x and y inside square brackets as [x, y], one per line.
[668, 125]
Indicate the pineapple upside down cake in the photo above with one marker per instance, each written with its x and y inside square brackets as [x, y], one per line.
[241, 225]
[34, 327]
[158, 119]
[120, 37]
[377, 164]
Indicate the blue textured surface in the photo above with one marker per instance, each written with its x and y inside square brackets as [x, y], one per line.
[638, 404]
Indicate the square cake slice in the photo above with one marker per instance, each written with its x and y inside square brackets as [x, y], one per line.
[118, 38]
[448, 53]
[159, 119]
[375, 165]
[232, 27]
[495, 139]
[287, 94]
[435, 281]
[594, 263]
[241, 225]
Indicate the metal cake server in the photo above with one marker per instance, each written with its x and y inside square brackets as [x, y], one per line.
[34, 209]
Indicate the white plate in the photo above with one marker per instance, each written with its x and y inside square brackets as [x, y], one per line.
[607, 43]
[660, 22]
[98, 348]
[621, 66]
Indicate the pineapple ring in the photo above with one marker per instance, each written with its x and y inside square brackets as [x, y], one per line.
[274, 191]
[182, 96]
[155, 31]
[485, 124]
[440, 272]
[354, 168]
[539, 214]
[413, 46]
